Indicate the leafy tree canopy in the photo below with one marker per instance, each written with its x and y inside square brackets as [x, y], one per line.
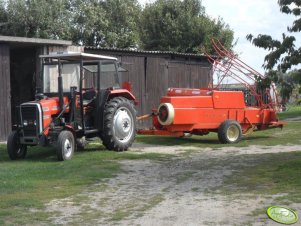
[34, 18]
[176, 25]
[180, 26]
[123, 17]
[110, 23]
[283, 54]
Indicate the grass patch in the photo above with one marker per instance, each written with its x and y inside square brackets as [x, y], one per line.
[292, 112]
[28, 184]
[184, 177]
[272, 174]
[140, 207]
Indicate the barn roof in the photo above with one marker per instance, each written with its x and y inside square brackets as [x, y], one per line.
[144, 52]
[33, 41]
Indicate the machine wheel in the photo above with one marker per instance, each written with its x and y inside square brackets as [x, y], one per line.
[14, 148]
[65, 145]
[229, 132]
[119, 124]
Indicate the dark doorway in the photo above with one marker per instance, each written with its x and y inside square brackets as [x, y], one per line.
[22, 79]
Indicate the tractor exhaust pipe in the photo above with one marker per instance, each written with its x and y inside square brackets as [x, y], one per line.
[61, 95]
[60, 86]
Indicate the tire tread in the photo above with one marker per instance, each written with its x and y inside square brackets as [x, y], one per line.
[107, 136]
[222, 131]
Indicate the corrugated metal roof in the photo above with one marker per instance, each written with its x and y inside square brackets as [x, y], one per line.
[40, 41]
[144, 52]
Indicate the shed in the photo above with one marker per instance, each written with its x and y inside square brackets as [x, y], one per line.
[19, 73]
[151, 73]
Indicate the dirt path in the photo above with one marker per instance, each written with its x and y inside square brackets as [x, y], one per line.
[175, 191]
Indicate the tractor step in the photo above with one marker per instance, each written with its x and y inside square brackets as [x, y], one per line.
[90, 131]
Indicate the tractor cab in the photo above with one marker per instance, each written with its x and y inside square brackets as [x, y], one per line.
[82, 77]
[80, 70]
[81, 96]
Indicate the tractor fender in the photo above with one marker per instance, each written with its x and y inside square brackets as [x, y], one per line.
[122, 93]
[107, 95]
[71, 129]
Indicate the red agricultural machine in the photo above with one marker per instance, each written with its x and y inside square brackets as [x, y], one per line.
[81, 97]
[200, 111]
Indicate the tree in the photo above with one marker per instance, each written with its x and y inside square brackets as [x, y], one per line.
[109, 23]
[88, 22]
[177, 25]
[284, 54]
[35, 18]
[3, 14]
[181, 26]
[122, 17]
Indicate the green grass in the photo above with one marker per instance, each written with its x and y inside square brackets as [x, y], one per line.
[292, 112]
[30, 183]
[272, 174]
[127, 210]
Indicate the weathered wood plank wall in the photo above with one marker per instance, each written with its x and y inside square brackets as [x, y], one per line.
[152, 74]
[5, 104]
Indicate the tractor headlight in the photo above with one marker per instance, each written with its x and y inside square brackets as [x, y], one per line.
[25, 123]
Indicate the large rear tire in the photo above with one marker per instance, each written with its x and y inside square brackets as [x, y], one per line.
[14, 148]
[119, 124]
[65, 145]
[229, 132]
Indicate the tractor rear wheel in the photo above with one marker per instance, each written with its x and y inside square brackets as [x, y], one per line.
[14, 148]
[119, 124]
[65, 145]
[229, 132]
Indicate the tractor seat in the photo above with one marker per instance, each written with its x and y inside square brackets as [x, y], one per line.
[88, 97]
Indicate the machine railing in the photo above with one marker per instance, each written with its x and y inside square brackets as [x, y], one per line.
[227, 64]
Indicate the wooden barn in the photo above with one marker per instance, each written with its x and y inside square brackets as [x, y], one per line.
[19, 73]
[149, 72]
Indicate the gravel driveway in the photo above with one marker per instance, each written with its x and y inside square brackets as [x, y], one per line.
[181, 190]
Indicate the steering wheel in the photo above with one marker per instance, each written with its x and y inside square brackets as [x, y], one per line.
[40, 96]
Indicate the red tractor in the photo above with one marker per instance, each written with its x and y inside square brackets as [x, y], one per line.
[81, 98]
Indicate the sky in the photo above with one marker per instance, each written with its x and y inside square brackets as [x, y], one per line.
[249, 17]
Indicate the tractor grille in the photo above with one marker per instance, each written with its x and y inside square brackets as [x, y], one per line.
[30, 120]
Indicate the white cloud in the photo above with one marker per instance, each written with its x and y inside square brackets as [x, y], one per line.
[250, 17]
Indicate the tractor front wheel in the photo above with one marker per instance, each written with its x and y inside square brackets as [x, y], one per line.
[14, 148]
[65, 145]
[229, 132]
[119, 124]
